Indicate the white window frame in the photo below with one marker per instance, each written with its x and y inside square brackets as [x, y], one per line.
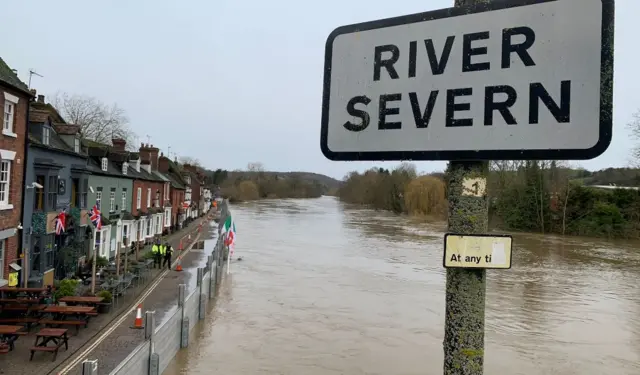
[105, 164]
[126, 227]
[149, 227]
[167, 186]
[99, 199]
[76, 144]
[112, 201]
[5, 186]
[158, 224]
[46, 135]
[8, 118]
[125, 168]
[107, 242]
[148, 197]
[140, 230]
[167, 217]
[139, 199]
[124, 200]
[3, 246]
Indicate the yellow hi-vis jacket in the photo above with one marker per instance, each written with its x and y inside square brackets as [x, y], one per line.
[163, 250]
[155, 249]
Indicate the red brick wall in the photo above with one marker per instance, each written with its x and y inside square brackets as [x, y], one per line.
[11, 218]
[145, 185]
[177, 198]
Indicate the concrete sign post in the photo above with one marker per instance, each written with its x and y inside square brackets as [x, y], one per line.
[485, 80]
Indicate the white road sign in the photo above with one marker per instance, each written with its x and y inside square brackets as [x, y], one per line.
[524, 79]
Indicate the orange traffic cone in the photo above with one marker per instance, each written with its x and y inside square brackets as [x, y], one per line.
[180, 245]
[137, 324]
[179, 266]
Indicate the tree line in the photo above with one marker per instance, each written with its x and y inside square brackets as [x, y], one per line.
[255, 183]
[531, 196]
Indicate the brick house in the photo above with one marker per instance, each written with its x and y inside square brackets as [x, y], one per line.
[176, 194]
[15, 98]
[148, 194]
[195, 180]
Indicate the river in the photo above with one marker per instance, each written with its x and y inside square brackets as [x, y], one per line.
[324, 288]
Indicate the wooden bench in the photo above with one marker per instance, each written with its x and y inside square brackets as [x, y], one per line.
[57, 323]
[50, 349]
[28, 322]
[91, 314]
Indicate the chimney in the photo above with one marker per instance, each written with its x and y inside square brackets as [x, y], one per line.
[33, 92]
[41, 99]
[119, 144]
[148, 153]
[163, 164]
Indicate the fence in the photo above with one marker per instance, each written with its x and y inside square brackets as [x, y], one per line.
[163, 342]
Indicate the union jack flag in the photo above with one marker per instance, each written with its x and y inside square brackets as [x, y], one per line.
[95, 216]
[61, 220]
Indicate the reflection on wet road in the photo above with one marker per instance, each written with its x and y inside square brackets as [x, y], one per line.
[328, 289]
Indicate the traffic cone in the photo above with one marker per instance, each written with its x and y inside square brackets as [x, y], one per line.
[180, 245]
[137, 324]
[179, 266]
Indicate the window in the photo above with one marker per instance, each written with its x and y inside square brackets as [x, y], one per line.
[139, 199]
[167, 186]
[141, 230]
[158, 225]
[2, 253]
[10, 103]
[52, 193]
[167, 217]
[83, 196]
[5, 180]
[149, 224]
[98, 198]
[148, 197]
[46, 135]
[105, 164]
[124, 200]
[76, 144]
[189, 180]
[35, 254]
[75, 192]
[112, 201]
[125, 167]
[38, 202]
[49, 254]
[125, 235]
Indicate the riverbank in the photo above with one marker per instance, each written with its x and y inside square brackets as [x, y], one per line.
[17, 362]
[111, 346]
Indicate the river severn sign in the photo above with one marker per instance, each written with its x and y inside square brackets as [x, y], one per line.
[523, 79]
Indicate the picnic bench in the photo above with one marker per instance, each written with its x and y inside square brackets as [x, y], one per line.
[57, 336]
[9, 334]
[28, 322]
[52, 323]
[81, 300]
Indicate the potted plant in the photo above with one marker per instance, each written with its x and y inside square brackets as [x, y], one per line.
[104, 306]
[66, 288]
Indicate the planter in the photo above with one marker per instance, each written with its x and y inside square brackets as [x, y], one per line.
[104, 308]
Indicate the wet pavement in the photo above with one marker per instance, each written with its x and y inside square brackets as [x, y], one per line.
[163, 300]
[17, 362]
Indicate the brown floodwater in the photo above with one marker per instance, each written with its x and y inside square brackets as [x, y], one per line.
[325, 288]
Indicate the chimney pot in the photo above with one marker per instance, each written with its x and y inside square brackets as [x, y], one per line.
[33, 92]
[41, 99]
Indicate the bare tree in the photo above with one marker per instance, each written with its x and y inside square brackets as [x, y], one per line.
[255, 166]
[189, 160]
[634, 126]
[98, 121]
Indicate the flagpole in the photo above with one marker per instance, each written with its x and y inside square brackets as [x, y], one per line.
[93, 266]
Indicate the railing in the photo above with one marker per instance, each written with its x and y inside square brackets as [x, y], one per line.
[163, 342]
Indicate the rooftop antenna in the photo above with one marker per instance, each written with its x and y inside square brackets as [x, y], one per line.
[33, 73]
[169, 152]
[148, 139]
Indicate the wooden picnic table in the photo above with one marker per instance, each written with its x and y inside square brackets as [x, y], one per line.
[77, 310]
[28, 291]
[33, 301]
[82, 300]
[9, 334]
[57, 336]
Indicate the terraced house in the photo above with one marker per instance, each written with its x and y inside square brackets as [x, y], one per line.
[56, 180]
[176, 193]
[148, 194]
[15, 98]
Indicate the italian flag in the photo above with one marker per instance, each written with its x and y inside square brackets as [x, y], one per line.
[229, 233]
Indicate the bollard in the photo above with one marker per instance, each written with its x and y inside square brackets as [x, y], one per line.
[154, 364]
[184, 334]
[199, 274]
[149, 324]
[212, 280]
[181, 294]
[90, 367]
[203, 307]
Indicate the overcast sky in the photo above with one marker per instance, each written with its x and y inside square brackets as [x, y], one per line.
[230, 82]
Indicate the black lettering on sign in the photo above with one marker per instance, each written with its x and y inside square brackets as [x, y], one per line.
[422, 118]
[379, 63]
[384, 111]
[491, 105]
[413, 56]
[452, 107]
[364, 117]
[468, 52]
[519, 49]
[438, 65]
[562, 112]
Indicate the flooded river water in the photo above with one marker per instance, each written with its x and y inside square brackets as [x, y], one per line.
[328, 289]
